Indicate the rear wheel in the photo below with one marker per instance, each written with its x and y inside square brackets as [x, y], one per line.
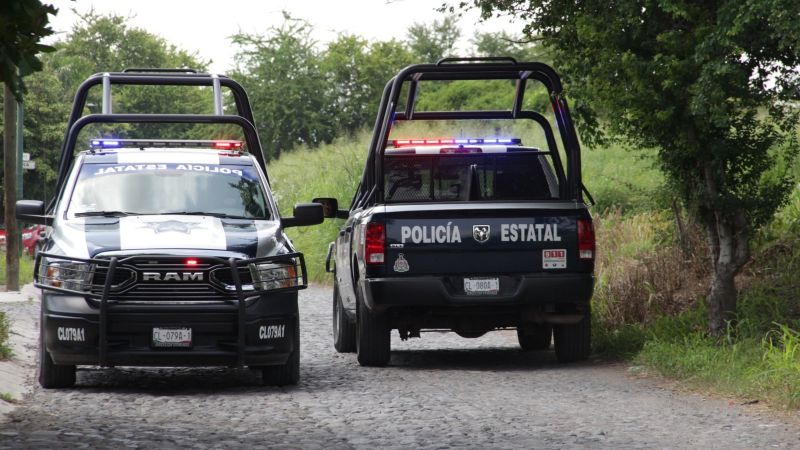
[288, 373]
[573, 342]
[373, 343]
[52, 376]
[534, 337]
[344, 329]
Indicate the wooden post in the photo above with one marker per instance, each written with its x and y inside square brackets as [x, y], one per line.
[10, 188]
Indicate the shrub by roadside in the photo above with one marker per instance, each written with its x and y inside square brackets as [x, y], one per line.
[5, 326]
[639, 314]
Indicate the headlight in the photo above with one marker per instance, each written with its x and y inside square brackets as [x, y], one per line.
[270, 276]
[69, 275]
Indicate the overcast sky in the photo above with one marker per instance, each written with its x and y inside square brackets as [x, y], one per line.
[203, 26]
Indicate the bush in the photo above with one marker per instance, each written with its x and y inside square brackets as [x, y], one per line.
[5, 326]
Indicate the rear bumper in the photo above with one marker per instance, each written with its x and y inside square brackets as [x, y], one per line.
[448, 291]
[71, 330]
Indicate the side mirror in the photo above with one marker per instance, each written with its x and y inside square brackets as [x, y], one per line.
[304, 214]
[331, 208]
[32, 211]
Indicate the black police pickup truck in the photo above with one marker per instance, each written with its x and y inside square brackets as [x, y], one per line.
[166, 252]
[466, 233]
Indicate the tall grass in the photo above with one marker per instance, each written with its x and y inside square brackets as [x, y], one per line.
[759, 356]
[332, 170]
[5, 351]
[25, 269]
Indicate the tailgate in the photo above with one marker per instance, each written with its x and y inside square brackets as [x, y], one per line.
[481, 241]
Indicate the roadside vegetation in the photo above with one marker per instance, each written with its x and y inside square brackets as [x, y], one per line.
[25, 269]
[5, 326]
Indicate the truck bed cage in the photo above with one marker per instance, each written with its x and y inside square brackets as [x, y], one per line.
[492, 68]
[157, 77]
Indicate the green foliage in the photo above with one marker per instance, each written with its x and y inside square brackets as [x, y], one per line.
[281, 72]
[332, 170]
[504, 44]
[356, 73]
[23, 23]
[758, 355]
[5, 326]
[25, 269]
[432, 42]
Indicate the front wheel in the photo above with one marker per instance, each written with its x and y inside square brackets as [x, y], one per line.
[573, 342]
[344, 329]
[51, 375]
[373, 338]
[286, 374]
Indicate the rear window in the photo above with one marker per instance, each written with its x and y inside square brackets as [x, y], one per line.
[473, 177]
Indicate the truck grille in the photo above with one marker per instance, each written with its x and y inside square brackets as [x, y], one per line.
[170, 279]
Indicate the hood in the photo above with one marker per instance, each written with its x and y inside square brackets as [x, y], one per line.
[91, 236]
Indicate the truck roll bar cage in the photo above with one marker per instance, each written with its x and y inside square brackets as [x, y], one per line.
[489, 68]
[157, 77]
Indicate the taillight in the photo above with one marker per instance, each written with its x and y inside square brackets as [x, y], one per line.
[374, 243]
[585, 239]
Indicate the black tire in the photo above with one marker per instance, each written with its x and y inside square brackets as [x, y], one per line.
[287, 374]
[534, 337]
[52, 376]
[344, 329]
[573, 342]
[373, 338]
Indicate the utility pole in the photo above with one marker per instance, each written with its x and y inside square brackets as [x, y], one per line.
[10, 188]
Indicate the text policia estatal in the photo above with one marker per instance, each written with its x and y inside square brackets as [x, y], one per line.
[189, 167]
[509, 232]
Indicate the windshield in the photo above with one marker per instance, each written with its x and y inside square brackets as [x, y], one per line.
[420, 178]
[129, 189]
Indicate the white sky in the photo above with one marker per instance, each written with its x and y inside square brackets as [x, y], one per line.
[203, 26]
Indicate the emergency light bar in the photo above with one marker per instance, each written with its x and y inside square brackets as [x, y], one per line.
[409, 142]
[170, 143]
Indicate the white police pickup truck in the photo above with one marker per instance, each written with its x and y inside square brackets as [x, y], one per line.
[167, 252]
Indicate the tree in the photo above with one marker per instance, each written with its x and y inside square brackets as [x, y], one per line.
[504, 44]
[710, 86]
[435, 41]
[357, 73]
[23, 23]
[281, 72]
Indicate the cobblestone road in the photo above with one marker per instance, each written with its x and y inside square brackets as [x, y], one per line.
[440, 392]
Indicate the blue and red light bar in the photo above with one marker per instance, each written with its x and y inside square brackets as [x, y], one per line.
[166, 143]
[471, 141]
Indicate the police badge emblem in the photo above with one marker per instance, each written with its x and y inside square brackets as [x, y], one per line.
[401, 264]
[480, 233]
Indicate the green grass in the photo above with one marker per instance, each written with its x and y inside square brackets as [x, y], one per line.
[6, 397]
[332, 170]
[5, 326]
[25, 269]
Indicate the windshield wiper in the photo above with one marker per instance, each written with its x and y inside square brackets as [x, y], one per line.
[107, 214]
[212, 214]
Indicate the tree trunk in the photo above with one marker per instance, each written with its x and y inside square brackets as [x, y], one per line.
[728, 238]
[10, 188]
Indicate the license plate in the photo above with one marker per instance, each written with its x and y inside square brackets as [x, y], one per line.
[554, 259]
[172, 337]
[481, 286]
